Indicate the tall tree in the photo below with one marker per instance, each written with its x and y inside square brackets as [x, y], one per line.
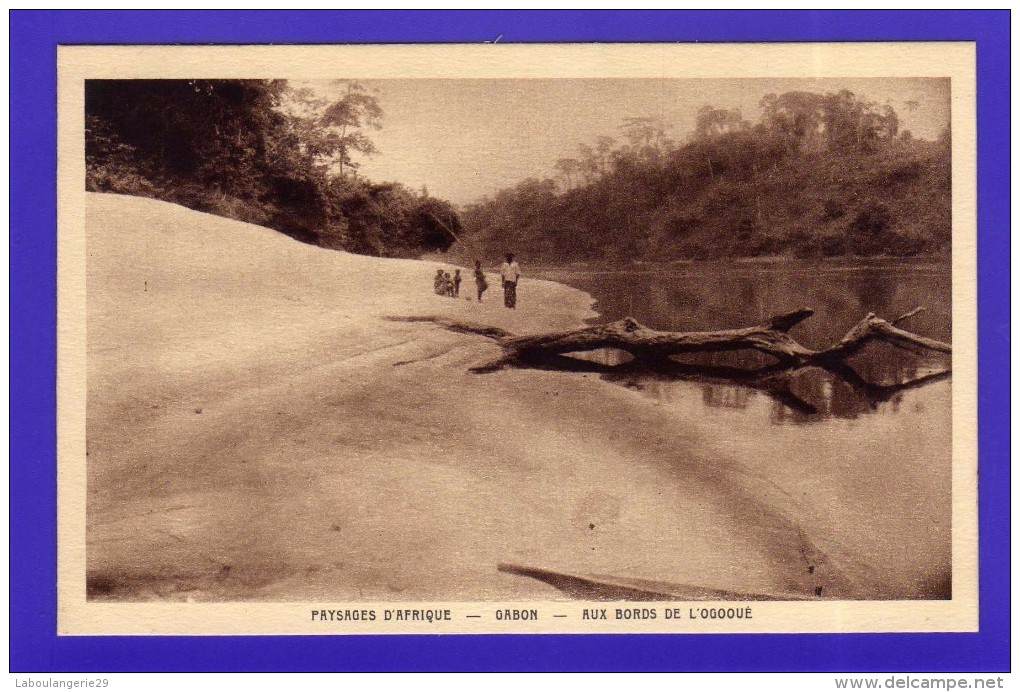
[332, 130]
[796, 116]
[568, 168]
[646, 137]
[713, 121]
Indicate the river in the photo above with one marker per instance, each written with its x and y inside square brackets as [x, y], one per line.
[880, 456]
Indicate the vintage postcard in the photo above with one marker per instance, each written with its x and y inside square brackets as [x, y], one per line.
[600, 338]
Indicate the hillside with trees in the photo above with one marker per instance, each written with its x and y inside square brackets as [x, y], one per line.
[263, 152]
[820, 175]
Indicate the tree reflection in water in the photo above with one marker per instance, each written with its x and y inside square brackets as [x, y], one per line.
[700, 297]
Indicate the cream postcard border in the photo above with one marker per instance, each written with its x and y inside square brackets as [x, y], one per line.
[956, 61]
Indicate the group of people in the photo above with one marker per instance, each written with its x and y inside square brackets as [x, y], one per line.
[509, 272]
[445, 285]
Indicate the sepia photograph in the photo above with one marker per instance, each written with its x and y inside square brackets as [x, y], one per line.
[660, 347]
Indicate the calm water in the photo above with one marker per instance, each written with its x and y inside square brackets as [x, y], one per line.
[866, 466]
[715, 296]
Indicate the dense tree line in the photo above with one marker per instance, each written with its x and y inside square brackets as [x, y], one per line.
[259, 151]
[818, 175]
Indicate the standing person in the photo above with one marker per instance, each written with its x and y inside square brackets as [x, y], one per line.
[456, 283]
[448, 285]
[439, 282]
[510, 272]
[480, 281]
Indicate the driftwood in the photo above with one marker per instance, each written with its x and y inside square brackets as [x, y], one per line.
[609, 588]
[656, 349]
[653, 353]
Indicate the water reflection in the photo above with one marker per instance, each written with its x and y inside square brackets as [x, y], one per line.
[873, 381]
[804, 395]
[858, 456]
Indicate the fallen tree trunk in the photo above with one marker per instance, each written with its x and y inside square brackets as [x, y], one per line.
[873, 328]
[653, 347]
[643, 343]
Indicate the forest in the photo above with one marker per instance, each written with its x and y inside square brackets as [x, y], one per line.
[263, 152]
[820, 175]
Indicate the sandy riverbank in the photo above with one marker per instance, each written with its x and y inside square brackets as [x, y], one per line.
[258, 430]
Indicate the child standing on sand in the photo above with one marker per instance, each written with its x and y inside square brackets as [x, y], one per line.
[456, 283]
[480, 282]
[439, 282]
[448, 284]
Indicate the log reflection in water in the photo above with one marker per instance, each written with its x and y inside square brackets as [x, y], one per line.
[812, 384]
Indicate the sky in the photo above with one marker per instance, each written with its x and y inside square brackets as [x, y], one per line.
[464, 139]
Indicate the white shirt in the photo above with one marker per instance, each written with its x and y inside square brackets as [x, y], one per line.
[510, 271]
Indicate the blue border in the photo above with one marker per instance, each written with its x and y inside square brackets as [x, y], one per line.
[34, 646]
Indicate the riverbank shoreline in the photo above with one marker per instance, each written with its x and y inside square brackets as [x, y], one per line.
[836, 263]
[258, 430]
